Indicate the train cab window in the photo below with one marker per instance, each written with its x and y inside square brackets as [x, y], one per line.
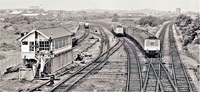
[31, 46]
[24, 43]
[152, 43]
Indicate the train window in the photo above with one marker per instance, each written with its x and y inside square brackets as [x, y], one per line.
[152, 43]
[31, 46]
[24, 43]
[147, 43]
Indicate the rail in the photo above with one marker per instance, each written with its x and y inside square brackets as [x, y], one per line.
[175, 55]
[58, 74]
[91, 69]
[161, 37]
[128, 64]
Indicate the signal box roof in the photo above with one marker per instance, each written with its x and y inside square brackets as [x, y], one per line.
[56, 32]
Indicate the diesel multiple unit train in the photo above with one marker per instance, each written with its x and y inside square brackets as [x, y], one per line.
[118, 30]
[147, 42]
[86, 25]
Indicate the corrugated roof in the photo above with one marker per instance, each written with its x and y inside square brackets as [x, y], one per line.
[56, 32]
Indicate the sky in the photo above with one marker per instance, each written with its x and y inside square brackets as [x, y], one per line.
[164, 5]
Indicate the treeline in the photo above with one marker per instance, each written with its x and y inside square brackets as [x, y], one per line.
[20, 24]
[20, 20]
[183, 18]
[151, 21]
[188, 27]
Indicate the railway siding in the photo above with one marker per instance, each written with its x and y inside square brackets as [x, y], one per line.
[111, 38]
[111, 77]
[159, 31]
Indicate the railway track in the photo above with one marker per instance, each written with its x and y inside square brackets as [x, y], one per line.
[69, 82]
[82, 38]
[160, 78]
[134, 73]
[180, 76]
[156, 77]
[104, 49]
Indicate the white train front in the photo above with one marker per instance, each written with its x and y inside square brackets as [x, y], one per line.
[118, 30]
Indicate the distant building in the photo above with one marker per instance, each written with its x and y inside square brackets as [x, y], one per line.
[178, 10]
[34, 7]
[15, 12]
[133, 14]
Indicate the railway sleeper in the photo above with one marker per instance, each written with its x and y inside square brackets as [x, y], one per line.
[134, 72]
[135, 84]
[134, 90]
[183, 89]
[168, 88]
[183, 79]
[151, 89]
[180, 75]
[134, 77]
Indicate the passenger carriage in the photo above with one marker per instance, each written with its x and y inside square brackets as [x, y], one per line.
[147, 42]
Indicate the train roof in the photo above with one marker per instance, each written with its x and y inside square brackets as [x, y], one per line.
[144, 34]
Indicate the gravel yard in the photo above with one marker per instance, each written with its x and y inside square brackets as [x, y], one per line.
[111, 77]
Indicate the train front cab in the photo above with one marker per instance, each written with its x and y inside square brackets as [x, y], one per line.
[152, 47]
[86, 25]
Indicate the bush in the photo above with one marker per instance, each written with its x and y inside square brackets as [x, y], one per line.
[150, 20]
[115, 18]
[183, 18]
[2, 57]
[7, 47]
[197, 41]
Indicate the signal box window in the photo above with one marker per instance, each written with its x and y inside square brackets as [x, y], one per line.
[31, 46]
[24, 43]
[44, 45]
